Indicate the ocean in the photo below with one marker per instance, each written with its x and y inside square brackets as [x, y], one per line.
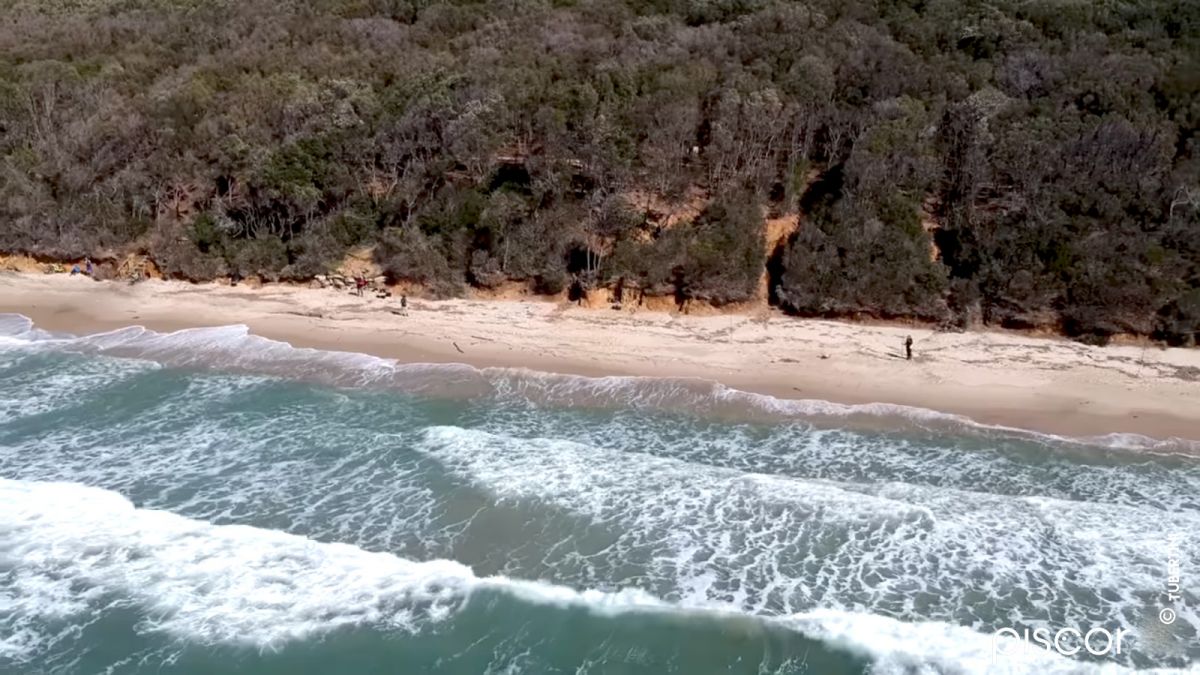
[208, 501]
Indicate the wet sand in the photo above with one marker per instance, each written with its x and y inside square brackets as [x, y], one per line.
[1046, 384]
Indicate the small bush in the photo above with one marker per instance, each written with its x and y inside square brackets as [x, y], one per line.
[406, 253]
[262, 256]
[178, 257]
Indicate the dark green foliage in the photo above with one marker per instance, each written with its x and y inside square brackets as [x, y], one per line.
[316, 251]
[535, 248]
[298, 173]
[176, 255]
[858, 262]
[261, 256]
[1019, 162]
[1179, 322]
[718, 258]
[406, 253]
[723, 252]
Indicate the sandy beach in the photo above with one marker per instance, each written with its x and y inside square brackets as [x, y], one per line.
[1046, 384]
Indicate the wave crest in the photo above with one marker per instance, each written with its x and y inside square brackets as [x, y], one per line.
[76, 548]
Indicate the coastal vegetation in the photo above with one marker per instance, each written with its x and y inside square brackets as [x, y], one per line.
[1023, 163]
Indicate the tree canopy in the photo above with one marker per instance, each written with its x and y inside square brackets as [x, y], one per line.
[1015, 162]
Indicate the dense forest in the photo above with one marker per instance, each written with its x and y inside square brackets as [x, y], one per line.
[1012, 162]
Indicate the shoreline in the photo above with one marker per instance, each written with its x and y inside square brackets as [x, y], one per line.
[1041, 384]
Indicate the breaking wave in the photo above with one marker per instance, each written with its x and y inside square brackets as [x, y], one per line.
[68, 551]
[777, 545]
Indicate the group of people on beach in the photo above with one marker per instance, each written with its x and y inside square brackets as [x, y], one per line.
[87, 268]
[361, 284]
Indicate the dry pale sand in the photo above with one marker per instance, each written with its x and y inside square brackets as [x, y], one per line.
[1045, 384]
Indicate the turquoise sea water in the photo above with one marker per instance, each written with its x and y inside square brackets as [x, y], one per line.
[208, 501]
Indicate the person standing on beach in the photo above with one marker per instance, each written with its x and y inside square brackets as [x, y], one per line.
[908, 348]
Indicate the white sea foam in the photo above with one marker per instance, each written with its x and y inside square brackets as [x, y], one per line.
[38, 390]
[719, 539]
[232, 348]
[998, 466]
[19, 328]
[315, 463]
[68, 550]
[706, 534]
[777, 545]
[936, 648]
[69, 544]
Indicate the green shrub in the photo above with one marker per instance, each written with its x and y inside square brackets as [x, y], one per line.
[265, 257]
[408, 254]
